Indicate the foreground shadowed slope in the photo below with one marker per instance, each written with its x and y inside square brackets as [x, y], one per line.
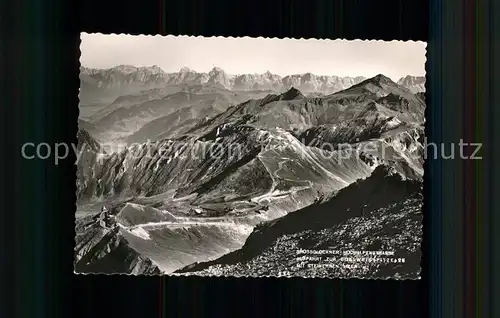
[382, 212]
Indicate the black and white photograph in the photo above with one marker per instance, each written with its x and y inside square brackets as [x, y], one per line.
[250, 157]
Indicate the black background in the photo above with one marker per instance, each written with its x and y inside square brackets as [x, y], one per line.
[39, 94]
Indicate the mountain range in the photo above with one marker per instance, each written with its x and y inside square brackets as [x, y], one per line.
[133, 104]
[234, 189]
[131, 77]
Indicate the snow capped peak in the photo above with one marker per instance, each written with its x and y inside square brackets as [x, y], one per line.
[415, 84]
[217, 72]
[217, 69]
[125, 68]
[410, 79]
[218, 76]
[153, 70]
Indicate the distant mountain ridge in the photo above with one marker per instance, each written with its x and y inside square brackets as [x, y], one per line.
[153, 76]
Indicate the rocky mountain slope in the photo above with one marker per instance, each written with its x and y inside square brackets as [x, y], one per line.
[379, 213]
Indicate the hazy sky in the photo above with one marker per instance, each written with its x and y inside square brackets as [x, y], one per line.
[256, 55]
